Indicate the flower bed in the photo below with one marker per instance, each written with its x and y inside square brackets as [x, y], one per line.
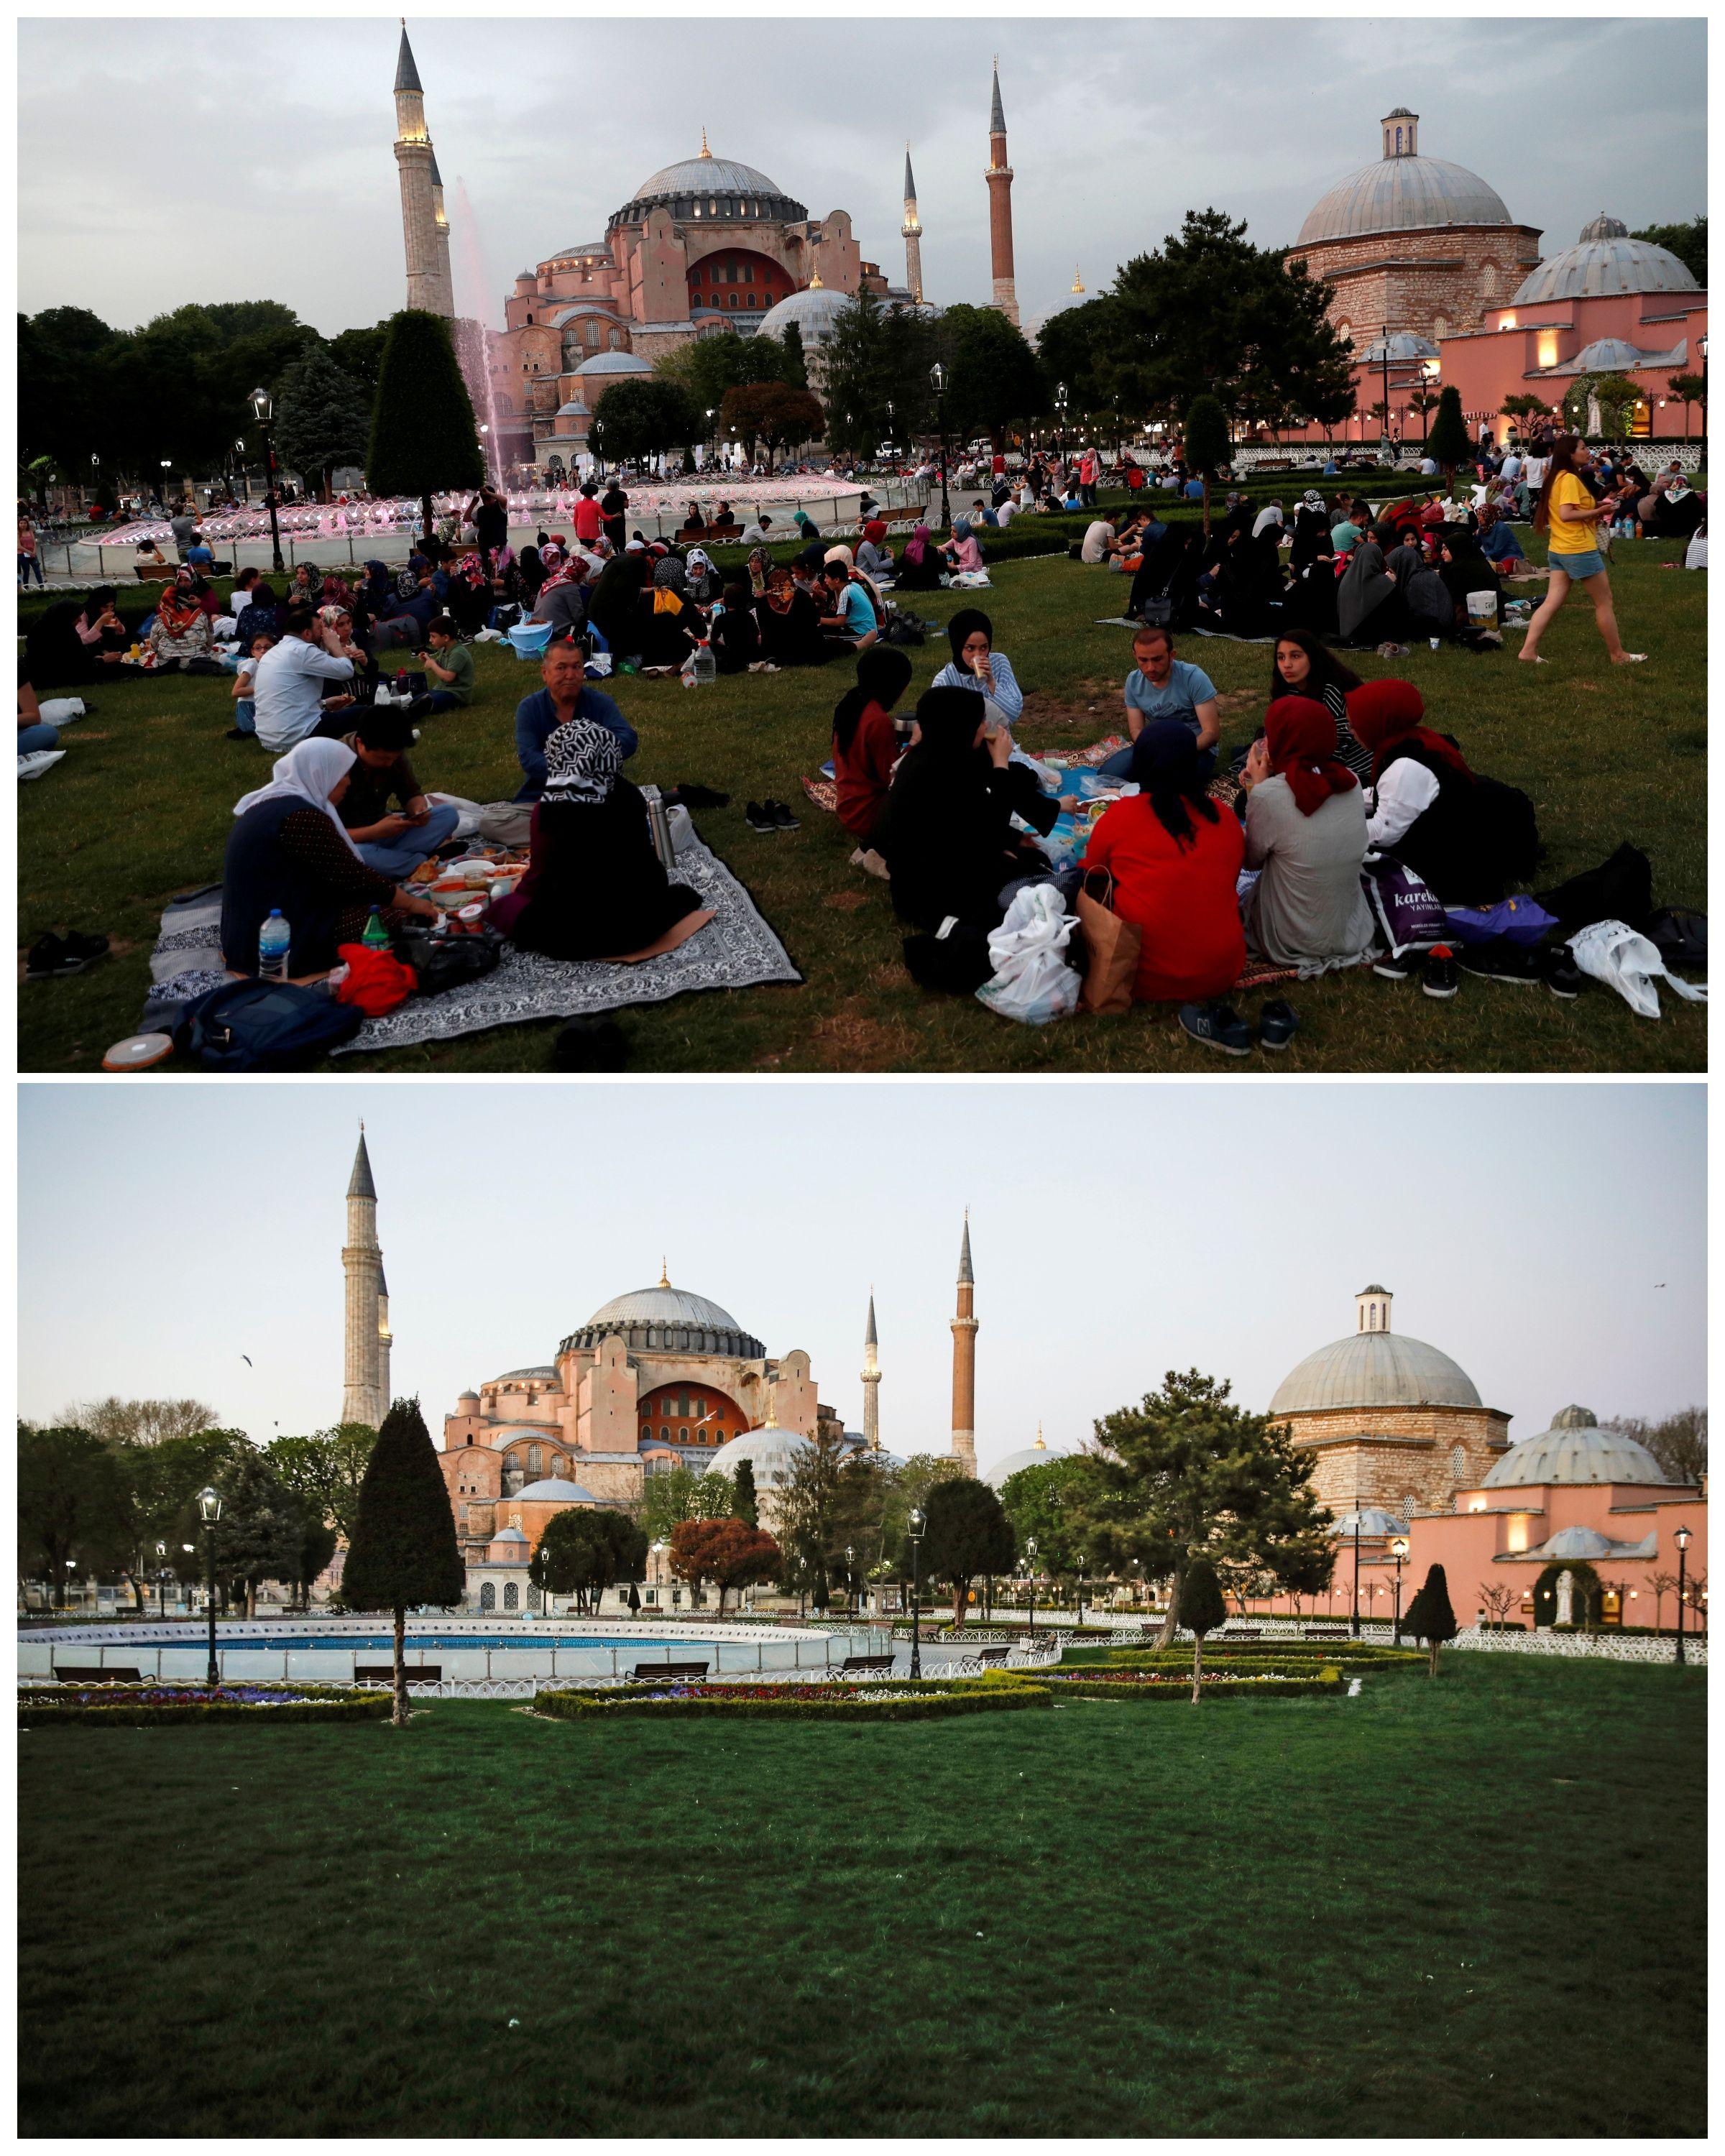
[1290, 1658]
[1138, 1685]
[910, 1700]
[147, 1707]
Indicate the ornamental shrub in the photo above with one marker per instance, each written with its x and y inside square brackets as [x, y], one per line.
[1429, 1616]
[925, 1701]
[1200, 1607]
[424, 438]
[404, 1554]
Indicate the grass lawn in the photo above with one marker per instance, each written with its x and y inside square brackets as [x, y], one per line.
[1467, 1907]
[141, 805]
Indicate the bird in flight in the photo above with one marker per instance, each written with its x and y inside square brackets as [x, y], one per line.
[249, 1362]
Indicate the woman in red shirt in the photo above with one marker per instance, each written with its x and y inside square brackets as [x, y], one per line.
[865, 743]
[1175, 857]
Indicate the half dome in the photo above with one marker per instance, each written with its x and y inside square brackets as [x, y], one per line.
[1575, 1450]
[1403, 194]
[1038, 1454]
[1375, 1370]
[1605, 260]
[614, 362]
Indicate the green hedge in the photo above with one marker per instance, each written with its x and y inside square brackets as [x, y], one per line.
[50, 1706]
[1132, 1685]
[1283, 1664]
[925, 1701]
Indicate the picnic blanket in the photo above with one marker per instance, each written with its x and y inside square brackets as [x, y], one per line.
[735, 950]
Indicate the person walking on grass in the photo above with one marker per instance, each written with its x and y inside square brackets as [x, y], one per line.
[1568, 515]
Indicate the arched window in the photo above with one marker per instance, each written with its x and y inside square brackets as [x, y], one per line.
[752, 302]
[488, 1595]
[1345, 332]
[511, 1595]
[1398, 141]
[1440, 326]
[1488, 281]
[646, 1431]
[682, 1437]
[536, 1460]
[664, 1434]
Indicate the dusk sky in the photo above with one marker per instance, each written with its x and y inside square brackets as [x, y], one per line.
[250, 157]
[1549, 1237]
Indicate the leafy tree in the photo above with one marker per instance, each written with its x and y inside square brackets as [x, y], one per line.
[262, 1530]
[773, 415]
[808, 1514]
[359, 353]
[1525, 407]
[968, 1538]
[403, 1553]
[642, 417]
[1050, 1502]
[729, 1553]
[1616, 394]
[584, 1552]
[1208, 444]
[139, 1422]
[1429, 1616]
[1678, 1442]
[64, 1500]
[748, 1504]
[1687, 242]
[324, 1472]
[424, 438]
[323, 418]
[1449, 441]
[994, 383]
[1199, 1608]
[875, 384]
[708, 366]
[1079, 347]
[1689, 389]
[678, 1494]
[1187, 1472]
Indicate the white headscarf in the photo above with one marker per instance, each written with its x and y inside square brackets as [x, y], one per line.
[308, 772]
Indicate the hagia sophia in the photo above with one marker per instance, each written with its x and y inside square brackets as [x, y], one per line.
[1405, 1450]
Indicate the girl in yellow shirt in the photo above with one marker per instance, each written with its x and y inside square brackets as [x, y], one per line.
[1568, 517]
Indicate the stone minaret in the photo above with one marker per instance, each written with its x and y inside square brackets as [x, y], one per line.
[912, 233]
[871, 1382]
[365, 1389]
[423, 233]
[964, 1361]
[999, 178]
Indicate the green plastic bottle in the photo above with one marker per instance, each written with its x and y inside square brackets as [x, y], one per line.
[376, 936]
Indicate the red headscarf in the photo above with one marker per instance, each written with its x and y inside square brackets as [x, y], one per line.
[874, 531]
[1387, 715]
[1302, 737]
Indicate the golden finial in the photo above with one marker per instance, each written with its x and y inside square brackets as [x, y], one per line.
[814, 283]
[704, 151]
[1040, 1446]
[1077, 277]
[663, 1273]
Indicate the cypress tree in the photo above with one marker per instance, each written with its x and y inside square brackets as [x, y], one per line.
[1448, 442]
[403, 1553]
[1200, 1608]
[747, 1507]
[424, 438]
[1429, 1616]
[1207, 445]
[796, 359]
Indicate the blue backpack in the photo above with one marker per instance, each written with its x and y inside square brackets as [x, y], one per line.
[264, 1026]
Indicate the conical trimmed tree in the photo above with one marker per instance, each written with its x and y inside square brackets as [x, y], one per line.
[1208, 442]
[1447, 444]
[425, 437]
[748, 1503]
[1429, 1616]
[403, 1553]
[1200, 1609]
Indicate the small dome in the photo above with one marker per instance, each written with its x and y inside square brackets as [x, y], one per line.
[1604, 261]
[1038, 1454]
[813, 310]
[1575, 1450]
[509, 1535]
[1375, 1370]
[1373, 1521]
[1403, 194]
[614, 362]
[1577, 1542]
[555, 1490]
[771, 1453]
[1605, 355]
[1402, 346]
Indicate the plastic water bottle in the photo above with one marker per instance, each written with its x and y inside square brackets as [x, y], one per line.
[703, 669]
[375, 936]
[273, 940]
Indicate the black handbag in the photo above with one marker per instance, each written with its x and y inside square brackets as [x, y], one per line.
[440, 962]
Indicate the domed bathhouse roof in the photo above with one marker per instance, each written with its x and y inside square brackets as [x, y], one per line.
[813, 310]
[1403, 194]
[1603, 261]
[1374, 1525]
[771, 1453]
[1575, 1450]
[1402, 347]
[1375, 1369]
[1605, 355]
[554, 1490]
[510, 1535]
[1038, 1454]
[614, 362]
[669, 1319]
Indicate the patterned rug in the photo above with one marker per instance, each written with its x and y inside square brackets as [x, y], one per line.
[735, 950]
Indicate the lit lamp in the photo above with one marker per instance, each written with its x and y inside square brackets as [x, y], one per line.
[209, 1511]
[1398, 1551]
[1030, 1575]
[263, 406]
[1682, 1539]
[850, 1573]
[914, 1526]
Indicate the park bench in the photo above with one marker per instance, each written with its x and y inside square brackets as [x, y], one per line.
[864, 1662]
[988, 1654]
[1333, 1632]
[668, 1672]
[75, 1673]
[384, 1673]
[1243, 1632]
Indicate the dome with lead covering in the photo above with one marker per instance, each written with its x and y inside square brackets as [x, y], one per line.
[1375, 1524]
[1403, 194]
[1038, 1454]
[555, 1490]
[815, 310]
[614, 362]
[1376, 1369]
[771, 1453]
[1575, 1450]
[711, 186]
[669, 1319]
[1605, 260]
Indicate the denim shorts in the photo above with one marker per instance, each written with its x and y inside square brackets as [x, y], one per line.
[1575, 567]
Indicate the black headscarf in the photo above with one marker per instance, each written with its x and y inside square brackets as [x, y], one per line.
[949, 719]
[1165, 766]
[883, 674]
[964, 625]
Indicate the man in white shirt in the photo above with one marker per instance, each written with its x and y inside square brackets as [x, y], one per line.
[290, 686]
[1097, 540]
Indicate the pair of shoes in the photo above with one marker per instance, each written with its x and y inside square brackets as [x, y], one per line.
[1216, 1025]
[769, 815]
[1392, 650]
[52, 958]
[238, 733]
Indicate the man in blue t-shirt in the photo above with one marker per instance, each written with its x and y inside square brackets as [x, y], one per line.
[1161, 686]
[565, 697]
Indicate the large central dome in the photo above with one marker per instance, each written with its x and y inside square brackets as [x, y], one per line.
[707, 188]
[1403, 194]
[1375, 1368]
[701, 176]
[669, 1319]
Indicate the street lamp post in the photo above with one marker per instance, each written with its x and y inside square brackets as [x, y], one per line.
[1682, 1539]
[72, 1566]
[938, 376]
[1354, 1623]
[850, 1574]
[264, 411]
[1384, 350]
[1398, 1551]
[160, 1579]
[1030, 1575]
[209, 1511]
[913, 1527]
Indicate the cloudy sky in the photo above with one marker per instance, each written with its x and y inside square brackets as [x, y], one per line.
[1549, 1237]
[250, 157]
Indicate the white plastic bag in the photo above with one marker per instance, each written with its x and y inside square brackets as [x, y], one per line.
[1615, 954]
[467, 813]
[38, 761]
[1032, 981]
